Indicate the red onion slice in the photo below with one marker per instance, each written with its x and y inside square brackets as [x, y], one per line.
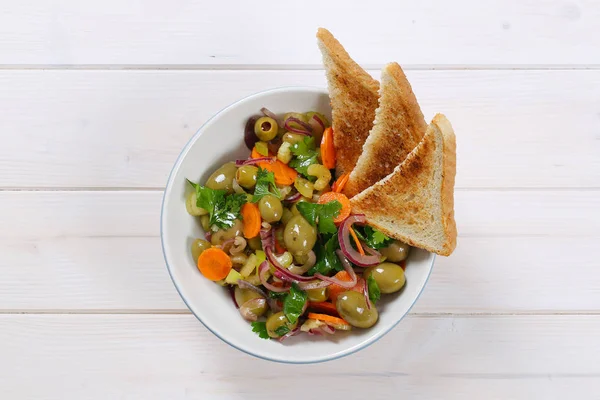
[366, 293]
[283, 273]
[316, 118]
[344, 238]
[247, 285]
[293, 198]
[310, 262]
[263, 269]
[307, 128]
[254, 161]
[246, 308]
[269, 113]
[313, 285]
[330, 330]
[232, 293]
[291, 333]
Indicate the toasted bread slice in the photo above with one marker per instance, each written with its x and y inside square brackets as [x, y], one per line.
[399, 127]
[353, 93]
[415, 203]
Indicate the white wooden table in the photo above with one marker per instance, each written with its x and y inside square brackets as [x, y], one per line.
[98, 97]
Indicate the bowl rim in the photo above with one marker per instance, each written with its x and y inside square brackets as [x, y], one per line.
[374, 338]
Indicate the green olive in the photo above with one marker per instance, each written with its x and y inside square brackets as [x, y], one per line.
[389, 277]
[246, 176]
[205, 221]
[317, 294]
[198, 246]
[396, 252]
[255, 243]
[244, 295]
[222, 235]
[352, 306]
[222, 178]
[266, 128]
[270, 208]
[191, 206]
[299, 236]
[292, 138]
[276, 321]
[286, 215]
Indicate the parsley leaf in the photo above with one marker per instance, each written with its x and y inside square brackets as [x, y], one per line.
[306, 154]
[261, 329]
[265, 185]
[223, 209]
[372, 237]
[327, 259]
[277, 295]
[282, 330]
[321, 214]
[374, 292]
[294, 303]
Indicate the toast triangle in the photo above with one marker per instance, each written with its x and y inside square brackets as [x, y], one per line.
[415, 203]
[399, 126]
[354, 97]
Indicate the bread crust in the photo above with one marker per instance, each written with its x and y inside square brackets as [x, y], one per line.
[354, 98]
[399, 127]
[415, 203]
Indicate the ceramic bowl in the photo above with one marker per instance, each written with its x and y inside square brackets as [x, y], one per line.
[220, 140]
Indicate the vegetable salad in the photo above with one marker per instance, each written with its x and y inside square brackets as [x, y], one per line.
[281, 236]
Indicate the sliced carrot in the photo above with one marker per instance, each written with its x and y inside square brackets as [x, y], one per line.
[256, 154]
[252, 221]
[340, 183]
[335, 290]
[214, 264]
[324, 307]
[346, 208]
[357, 242]
[337, 323]
[328, 149]
[284, 175]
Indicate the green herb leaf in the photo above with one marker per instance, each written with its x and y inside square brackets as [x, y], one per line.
[261, 329]
[294, 303]
[277, 295]
[223, 209]
[305, 154]
[372, 237]
[282, 330]
[374, 292]
[321, 214]
[265, 185]
[327, 259]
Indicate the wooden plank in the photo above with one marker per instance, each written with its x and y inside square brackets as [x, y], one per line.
[125, 128]
[434, 32]
[175, 357]
[100, 251]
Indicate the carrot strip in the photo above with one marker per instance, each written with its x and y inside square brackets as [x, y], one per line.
[335, 290]
[214, 264]
[323, 307]
[346, 208]
[357, 242]
[328, 149]
[328, 319]
[252, 220]
[340, 183]
[284, 175]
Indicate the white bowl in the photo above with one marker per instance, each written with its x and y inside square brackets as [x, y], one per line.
[220, 140]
